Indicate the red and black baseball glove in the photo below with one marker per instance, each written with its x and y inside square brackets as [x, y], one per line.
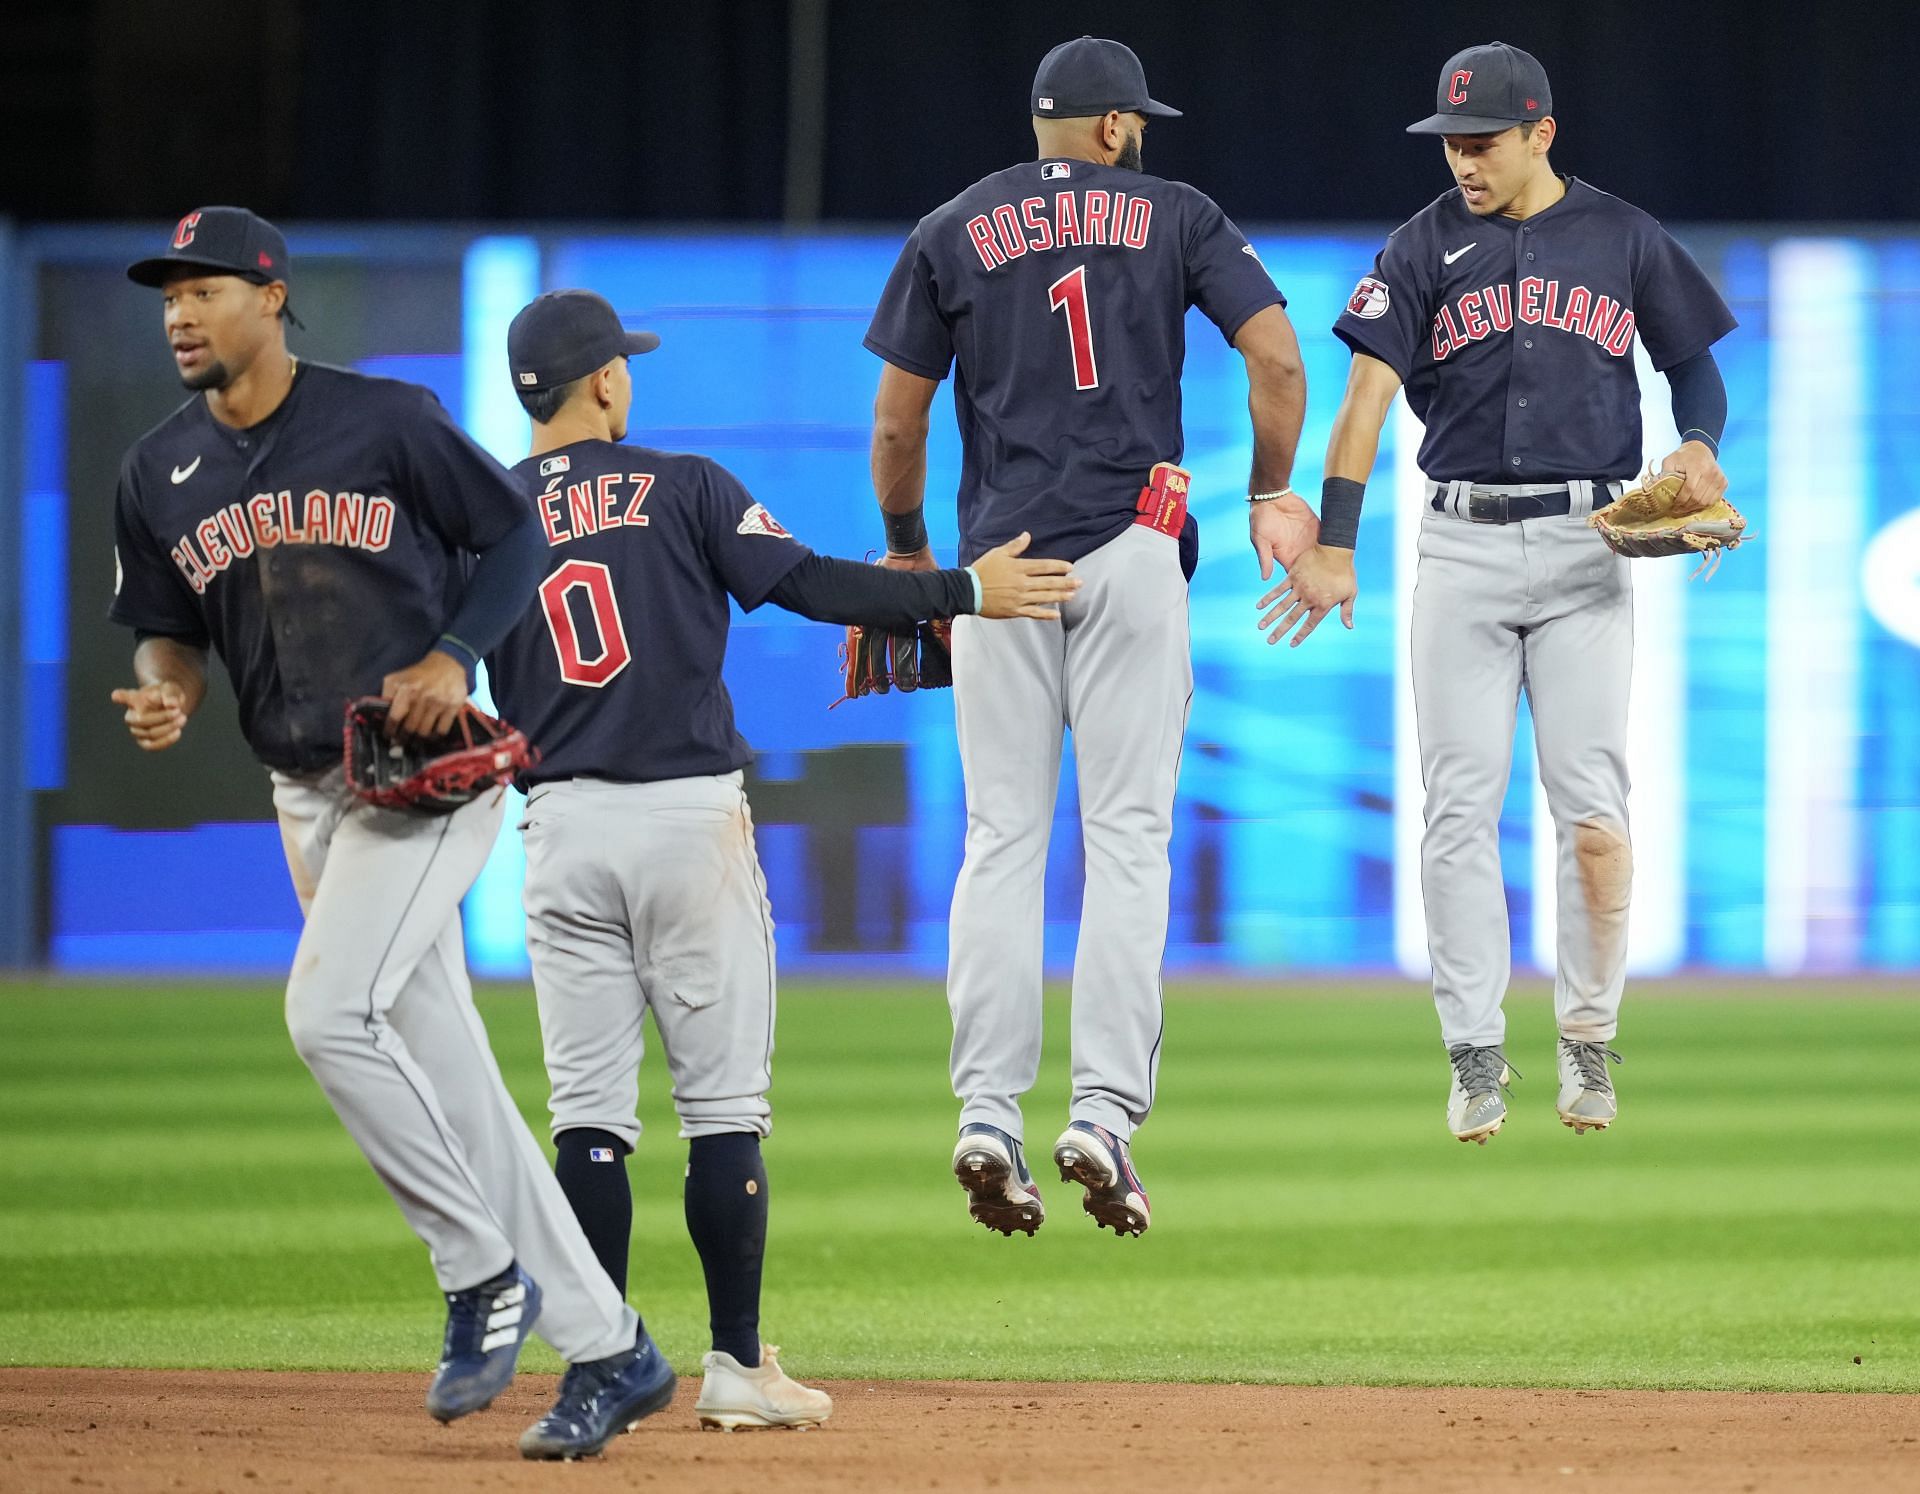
[874, 661]
[434, 775]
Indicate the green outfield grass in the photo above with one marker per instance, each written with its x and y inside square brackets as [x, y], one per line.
[175, 1192]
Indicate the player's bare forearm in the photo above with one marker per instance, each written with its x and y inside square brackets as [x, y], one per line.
[1276, 396]
[1354, 442]
[163, 661]
[172, 677]
[899, 455]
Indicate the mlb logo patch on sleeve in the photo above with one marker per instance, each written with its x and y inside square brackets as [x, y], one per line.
[1369, 298]
[600, 1154]
[555, 464]
[1055, 171]
[757, 520]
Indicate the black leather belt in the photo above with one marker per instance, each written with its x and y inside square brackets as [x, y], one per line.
[1511, 508]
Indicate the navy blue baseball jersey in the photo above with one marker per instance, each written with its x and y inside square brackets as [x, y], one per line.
[615, 671]
[1515, 339]
[1061, 289]
[317, 551]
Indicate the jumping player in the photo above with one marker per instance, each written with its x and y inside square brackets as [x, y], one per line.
[1508, 309]
[643, 888]
[314, 526]
[1061, 287]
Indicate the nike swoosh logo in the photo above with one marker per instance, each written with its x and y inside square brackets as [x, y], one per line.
[181, 474]
[1447, 259]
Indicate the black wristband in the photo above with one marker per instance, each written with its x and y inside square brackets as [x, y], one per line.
[906, 533]
[1340, 500]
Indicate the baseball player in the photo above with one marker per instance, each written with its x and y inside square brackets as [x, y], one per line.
[333, 536]
[643, 888]
[1061, 288]
[1508, 309]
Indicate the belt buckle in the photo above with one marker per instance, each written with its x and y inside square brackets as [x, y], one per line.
[1486, 508]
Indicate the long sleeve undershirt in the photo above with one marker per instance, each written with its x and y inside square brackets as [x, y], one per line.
[831, 590]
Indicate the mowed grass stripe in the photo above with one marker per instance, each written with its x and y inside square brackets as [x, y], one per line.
[177, 1193]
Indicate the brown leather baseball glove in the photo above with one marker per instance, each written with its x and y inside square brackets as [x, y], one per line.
[1641, 523]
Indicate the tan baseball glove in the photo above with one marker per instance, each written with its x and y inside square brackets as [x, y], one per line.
[1641, 523]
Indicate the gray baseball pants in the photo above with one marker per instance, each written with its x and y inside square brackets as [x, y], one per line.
[380, 1009]
[649, 896]
[1540, 606]
[1115, 670]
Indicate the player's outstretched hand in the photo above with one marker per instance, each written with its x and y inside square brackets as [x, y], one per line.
[1706, 483]
[1012, 587]
[1316, 583]
[1282, 529]
[426, 696]
[156, 714]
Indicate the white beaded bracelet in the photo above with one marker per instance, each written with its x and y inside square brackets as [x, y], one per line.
[1269, 497]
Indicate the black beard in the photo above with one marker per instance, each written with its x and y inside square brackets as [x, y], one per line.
[213, 376]
[1129, 157]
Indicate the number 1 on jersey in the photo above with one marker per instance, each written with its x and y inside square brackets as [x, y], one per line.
[1070, 291]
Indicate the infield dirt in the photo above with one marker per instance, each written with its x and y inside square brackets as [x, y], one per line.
[238, 1433]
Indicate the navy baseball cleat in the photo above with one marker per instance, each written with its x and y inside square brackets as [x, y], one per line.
[1100, 1162]
[599, 1400]
[486, 1325]
[1001, 1193]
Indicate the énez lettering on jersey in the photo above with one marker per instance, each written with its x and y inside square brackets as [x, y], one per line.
[268, 520]
[570, 511]
[1071, 220]
[1478, 314]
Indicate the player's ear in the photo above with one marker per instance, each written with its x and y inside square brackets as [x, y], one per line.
[273, 299]
[1113, 130]
[1543, 134]
[603, 390]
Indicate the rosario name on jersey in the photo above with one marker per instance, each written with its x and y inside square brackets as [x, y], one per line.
[1061, 289]
[615, 671]
[317, 551]
[1514, 339]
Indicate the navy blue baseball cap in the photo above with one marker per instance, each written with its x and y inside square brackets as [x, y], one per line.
[565, 335]
[1485, 90]
[1091, 75]
[224, 240]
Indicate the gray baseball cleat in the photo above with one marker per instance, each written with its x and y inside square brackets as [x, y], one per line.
[1476, 1107]
[1587, 1101]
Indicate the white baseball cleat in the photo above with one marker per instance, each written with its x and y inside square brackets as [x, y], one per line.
[1587, 1100]
[1001, 1193]
[733, 1397]
[1476, 1106]
[1102, 1163]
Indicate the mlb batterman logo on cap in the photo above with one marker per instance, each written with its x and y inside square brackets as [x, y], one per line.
[1091, 75]
[565, 335]
[220, 240]
[1485, 90]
